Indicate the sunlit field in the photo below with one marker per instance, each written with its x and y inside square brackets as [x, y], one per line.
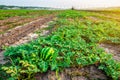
[72, 43]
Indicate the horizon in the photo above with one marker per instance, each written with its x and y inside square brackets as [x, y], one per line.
[78, 4]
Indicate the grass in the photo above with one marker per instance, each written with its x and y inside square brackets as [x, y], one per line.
[74, 42]
[4, 14]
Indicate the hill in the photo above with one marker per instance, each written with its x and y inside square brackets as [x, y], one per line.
[23, 7]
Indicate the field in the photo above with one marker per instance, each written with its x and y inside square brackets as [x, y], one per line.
[12, 18]
[81, 45]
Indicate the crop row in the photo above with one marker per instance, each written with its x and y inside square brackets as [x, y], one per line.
[73, 43]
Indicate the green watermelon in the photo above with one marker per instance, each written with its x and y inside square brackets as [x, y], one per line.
[47, 53]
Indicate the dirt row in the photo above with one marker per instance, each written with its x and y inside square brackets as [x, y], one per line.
[85, 73]
[17, 33]
[9, 23]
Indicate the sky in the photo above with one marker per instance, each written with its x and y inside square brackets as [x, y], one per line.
[63, 3]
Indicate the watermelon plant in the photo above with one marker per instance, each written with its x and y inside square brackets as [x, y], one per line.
[29, 64]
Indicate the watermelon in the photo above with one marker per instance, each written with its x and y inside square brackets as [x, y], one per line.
[47, 53]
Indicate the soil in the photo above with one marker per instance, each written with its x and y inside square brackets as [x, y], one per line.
[19, 32]
[32, 36]
[113, 49]
[86, 73]
[9, 20]
[12, 22]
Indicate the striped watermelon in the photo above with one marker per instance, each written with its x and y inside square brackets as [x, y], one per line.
[47, 53]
